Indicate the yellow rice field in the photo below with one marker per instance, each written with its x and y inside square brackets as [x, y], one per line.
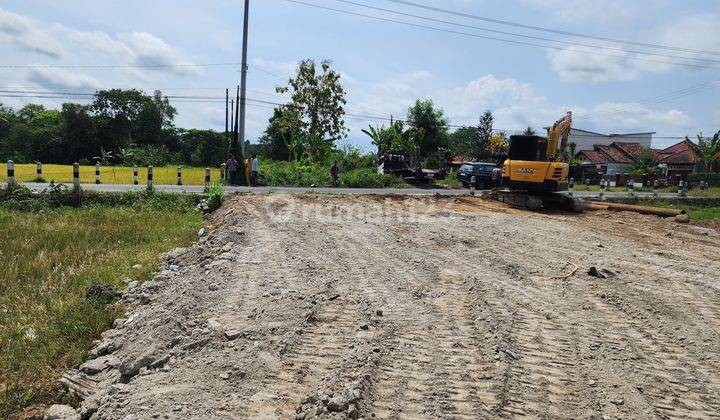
[166, 175]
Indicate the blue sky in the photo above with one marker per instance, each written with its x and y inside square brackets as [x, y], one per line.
[385, 66]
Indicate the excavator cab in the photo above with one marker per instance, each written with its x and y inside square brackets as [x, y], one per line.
[535, 172]
[528, 167]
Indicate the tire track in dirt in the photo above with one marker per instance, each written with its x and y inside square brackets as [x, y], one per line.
[322, 344]
[453, 381]
[541, 378]
[434, 369]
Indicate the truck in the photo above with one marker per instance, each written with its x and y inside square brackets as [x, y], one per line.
[398, 163]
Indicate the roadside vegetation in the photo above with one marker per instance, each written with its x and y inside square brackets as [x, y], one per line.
[699, 211]
[54, 246]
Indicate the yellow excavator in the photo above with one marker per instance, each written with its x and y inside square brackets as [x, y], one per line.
[535, 172]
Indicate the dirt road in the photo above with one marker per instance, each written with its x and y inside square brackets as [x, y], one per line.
[303, 307]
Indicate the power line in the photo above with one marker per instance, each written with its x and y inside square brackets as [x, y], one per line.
[110, 66]
[693, 90]
[605, 47]
[259, 103]
[510, 41]
[284, 79]
[555, 31]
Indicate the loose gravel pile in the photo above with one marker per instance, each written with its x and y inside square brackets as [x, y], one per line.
[362, 307]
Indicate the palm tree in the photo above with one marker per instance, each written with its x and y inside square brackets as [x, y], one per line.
[709, 150]
[382, 138]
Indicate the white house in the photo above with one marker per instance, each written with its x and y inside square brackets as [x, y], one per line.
[586, 140]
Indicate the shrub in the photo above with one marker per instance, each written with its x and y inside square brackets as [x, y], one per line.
[369, 178]
[296, 174]
[58, 196]
[215, 197]
[712, 178]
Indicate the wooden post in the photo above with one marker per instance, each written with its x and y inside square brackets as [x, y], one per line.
[10, 175]
[135, 175]
[76, 175]
[179, 173]
[97, 173]
[150, 178]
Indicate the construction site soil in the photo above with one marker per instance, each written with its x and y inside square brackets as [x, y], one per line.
[436, 307]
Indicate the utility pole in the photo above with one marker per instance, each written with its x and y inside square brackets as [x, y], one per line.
[227, 118]
[243, 78]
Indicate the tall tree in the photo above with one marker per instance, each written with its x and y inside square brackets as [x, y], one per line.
[430, 127]
[318, 99]
[485, 131]
[709, 149]
[281, 139]
[7, 118]
[124, 117]
[79, 133]
[463, 141]
[529, 131]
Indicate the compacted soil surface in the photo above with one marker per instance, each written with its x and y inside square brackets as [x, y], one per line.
[435, 307]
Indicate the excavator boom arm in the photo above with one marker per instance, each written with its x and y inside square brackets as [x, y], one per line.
[557, 137]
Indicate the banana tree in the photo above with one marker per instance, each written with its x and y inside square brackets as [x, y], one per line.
[709, 150]
[382, 138]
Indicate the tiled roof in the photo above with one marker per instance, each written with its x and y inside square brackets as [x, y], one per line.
[634, 150]
[683, 152]
[684, 157]
[678, 147]
[614, 154]
[592, 156]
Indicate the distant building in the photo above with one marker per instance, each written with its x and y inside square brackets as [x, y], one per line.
[611, 159]
[586, 140]
[680, 159]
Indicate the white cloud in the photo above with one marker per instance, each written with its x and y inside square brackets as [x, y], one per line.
[25, 33]
[513, 103]
[132, 49]
[61, 79]
[507, 97]
[136, 49]
[573, 65]
[696, 32]
[618, 117]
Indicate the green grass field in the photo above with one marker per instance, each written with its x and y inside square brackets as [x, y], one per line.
[166, 175]
[695, 192]
[47, 259]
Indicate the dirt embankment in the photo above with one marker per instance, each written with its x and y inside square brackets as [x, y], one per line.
[303, 307]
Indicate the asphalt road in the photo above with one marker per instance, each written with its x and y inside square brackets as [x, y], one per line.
[196, 189]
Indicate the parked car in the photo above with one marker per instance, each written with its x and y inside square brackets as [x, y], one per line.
[483, 173]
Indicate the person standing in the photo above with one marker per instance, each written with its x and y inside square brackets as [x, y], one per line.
[248, 169]
[232, 168]
[255, 167]
[335, 172]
